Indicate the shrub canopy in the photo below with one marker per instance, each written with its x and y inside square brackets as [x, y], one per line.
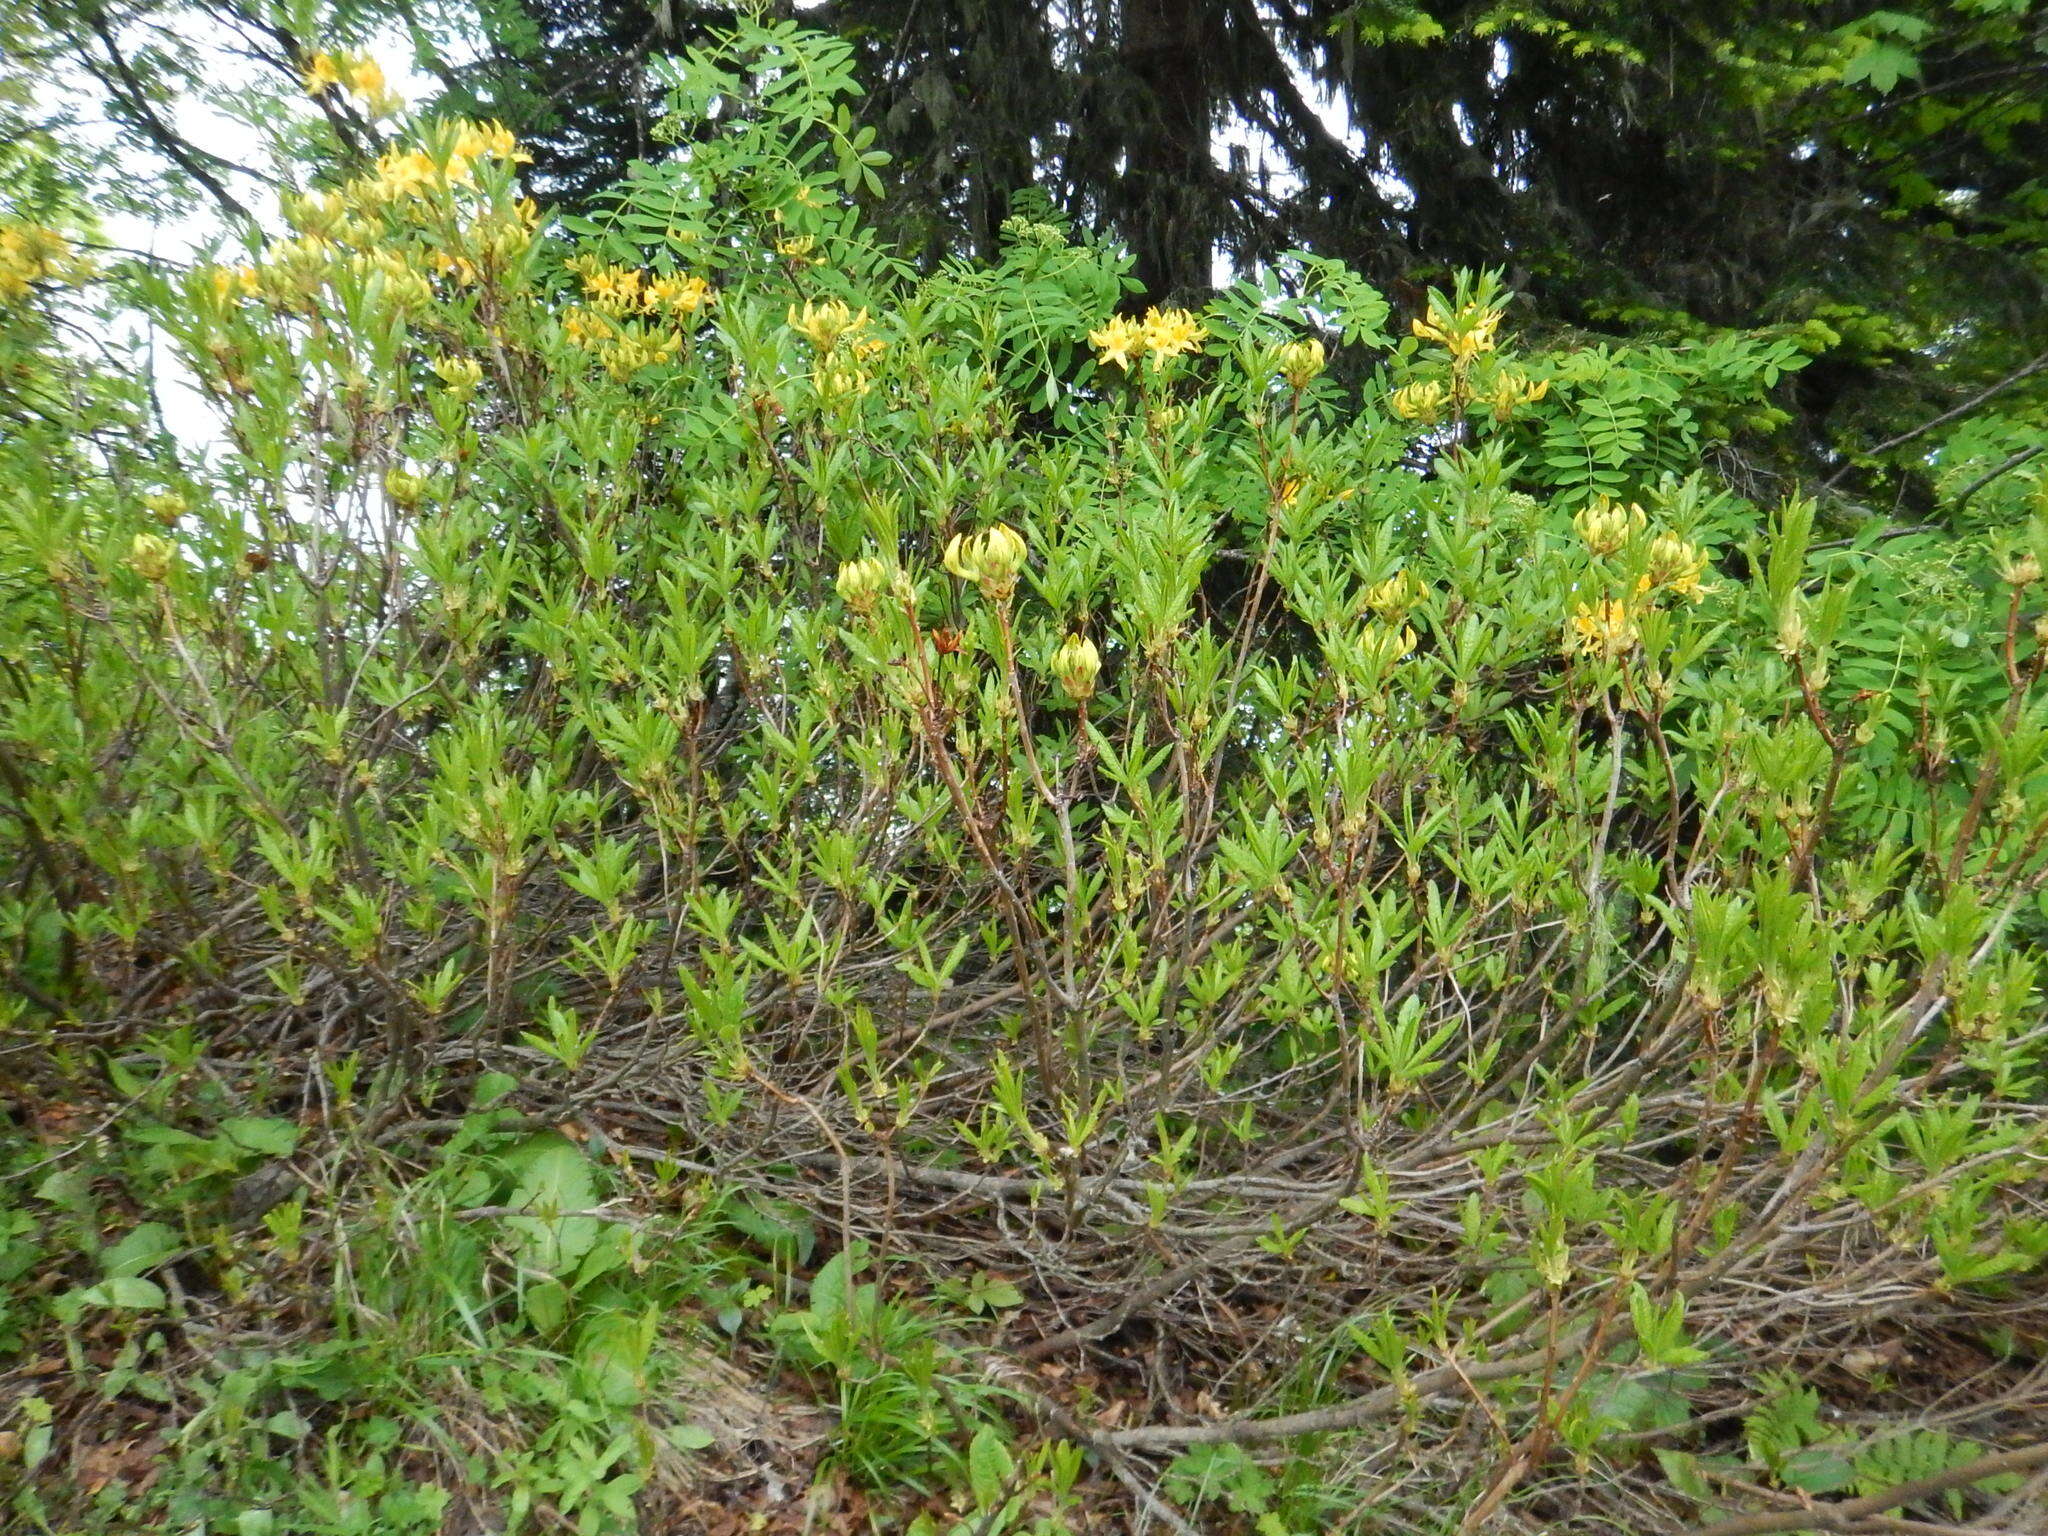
[1398, 850]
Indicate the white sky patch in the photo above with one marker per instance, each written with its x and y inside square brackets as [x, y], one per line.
[1245, 148]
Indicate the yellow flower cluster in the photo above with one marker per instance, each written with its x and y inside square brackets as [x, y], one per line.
[1162, 335]
[356, 73]
[1465, 332]
[1676, 566]
[403, 174]
[1301, 362]
[1422, 401]
[1511, 390]
[862, 582]
[838, 336]
[620, 291]
[623, 346]
[1671, 564]
[841, 384]
[35, 253]
[1606, 628]
[352, 228]
[825, 325]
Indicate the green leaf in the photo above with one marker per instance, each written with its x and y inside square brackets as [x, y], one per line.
[270, 1137]
[140, 1251]
[546, 1305]
[1817, 1469]
[130, 1292]
[553, 1176]
[989, 1466]
[1881, 66]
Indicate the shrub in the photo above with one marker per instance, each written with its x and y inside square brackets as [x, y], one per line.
[1346, 849]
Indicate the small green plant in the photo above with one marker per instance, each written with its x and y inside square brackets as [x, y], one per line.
[911, 1408]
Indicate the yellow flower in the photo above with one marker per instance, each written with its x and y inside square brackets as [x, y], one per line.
[461, 268]
[231, 283]
[1604, 525]
[1606, 627]
[616, 290]
[366, 77]
[585, 327]
[1676, 566]
[490, 141]
[798, 248]
[1424, 402]
[1118, 341]
[321, 72]
[679, 295]
[826, 325]
[1171, 332]
[35, 253]
[1391, 599]
[633, 348]
[1511, 390]
[1465, 332]
[1076, 664]
[404, 173]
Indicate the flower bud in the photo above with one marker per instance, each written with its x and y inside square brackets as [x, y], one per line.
[1301, 362]
[1791, 631]
[2022, 570]
[991, 558]
[460, 374]
[861, 582]
[1381, 645]
[1420, 402]
[1076, 664]
[405, 490]
[150, 557]
[1391, 599]
[166, 507]
[1604, 525]
[959, 558]
[1678, 565]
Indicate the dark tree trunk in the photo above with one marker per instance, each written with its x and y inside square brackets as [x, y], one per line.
[1163, 199]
